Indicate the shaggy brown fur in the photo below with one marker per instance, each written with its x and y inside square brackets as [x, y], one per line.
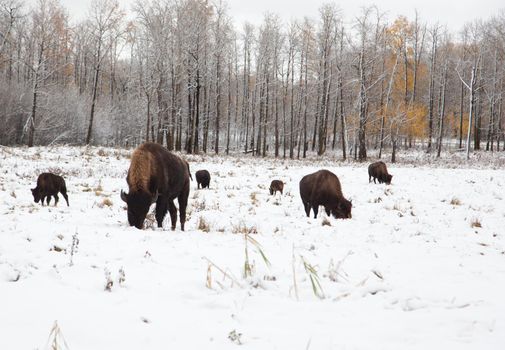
[379, 171]
[156, 175]
[141, 167]
[276, 185]
[49, 185]
[202, 178]
[323, 188]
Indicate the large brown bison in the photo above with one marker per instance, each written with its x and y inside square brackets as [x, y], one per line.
[49, 185]
[379, 171]
[276, 185]
[323, 188]
[202, 178]
[156, 175]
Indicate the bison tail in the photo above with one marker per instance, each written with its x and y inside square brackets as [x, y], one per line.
[189, 172]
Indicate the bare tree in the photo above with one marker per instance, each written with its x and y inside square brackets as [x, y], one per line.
[105, 23]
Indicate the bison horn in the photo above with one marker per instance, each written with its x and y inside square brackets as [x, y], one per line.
[124, 196]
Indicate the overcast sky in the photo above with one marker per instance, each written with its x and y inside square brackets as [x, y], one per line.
[451, 13]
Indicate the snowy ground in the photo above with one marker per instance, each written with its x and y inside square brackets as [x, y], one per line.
[410, 270]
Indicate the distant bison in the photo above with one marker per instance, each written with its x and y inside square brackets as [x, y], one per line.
[49, 185]
[156, 175]
[202, 178]
[323, 188]
[379, 171]
[276, 185]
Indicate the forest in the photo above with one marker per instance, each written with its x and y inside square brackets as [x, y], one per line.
[183, 74]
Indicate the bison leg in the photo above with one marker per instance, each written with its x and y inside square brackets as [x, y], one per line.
[66, 197]
[374, 180]
[327, 210]
[315, 208]
[48, 199]
[183, 202]
[369, 178]
[161, 210]
[173, 213]
[56, 200]
[307, 208]
[198, 185]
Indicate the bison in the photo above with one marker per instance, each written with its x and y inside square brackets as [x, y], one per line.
[323, 188]
[379, 171]
[276, 185]
[156, 176]
[202, 178]
[49, 185]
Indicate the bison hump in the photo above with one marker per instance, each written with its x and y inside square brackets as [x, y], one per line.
[142, 166]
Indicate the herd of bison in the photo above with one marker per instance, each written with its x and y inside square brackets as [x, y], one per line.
[158, 176]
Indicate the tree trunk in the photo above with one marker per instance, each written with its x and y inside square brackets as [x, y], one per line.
[342, 119]
[218, 105]
[228, 121]
[442, 112]
[362, 109]
[291, 109]
[472, 102]
[432, 89]
[93, 102]
[31, 130]
[265, 119]
[148, 126]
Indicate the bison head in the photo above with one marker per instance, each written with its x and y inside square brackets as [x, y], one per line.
[342, 210]
[138, 204]
[388, 179]
[36, 194]
[271, 190]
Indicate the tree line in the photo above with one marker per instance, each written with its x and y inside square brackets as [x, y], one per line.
[181, 74]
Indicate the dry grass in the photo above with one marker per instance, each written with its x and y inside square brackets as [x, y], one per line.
[455, 201]
[101, 152]
[311, 271]
[244, 229]
[199, 205]
[326, 222]
[203, 225]
[98, 188]
[376, 200]
[254, 199]
[106, 202]
[150, 221]
[476, 223]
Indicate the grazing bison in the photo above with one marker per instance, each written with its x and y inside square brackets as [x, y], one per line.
[379, 171]
[202, 178]
[156, 175]
[49, 185]
[323, 188]
[276, 185]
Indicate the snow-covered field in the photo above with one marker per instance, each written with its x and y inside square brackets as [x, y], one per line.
[421, 264]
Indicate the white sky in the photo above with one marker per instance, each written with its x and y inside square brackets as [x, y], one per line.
[451, 13]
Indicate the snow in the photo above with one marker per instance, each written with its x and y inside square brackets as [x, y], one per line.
[408, 271]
